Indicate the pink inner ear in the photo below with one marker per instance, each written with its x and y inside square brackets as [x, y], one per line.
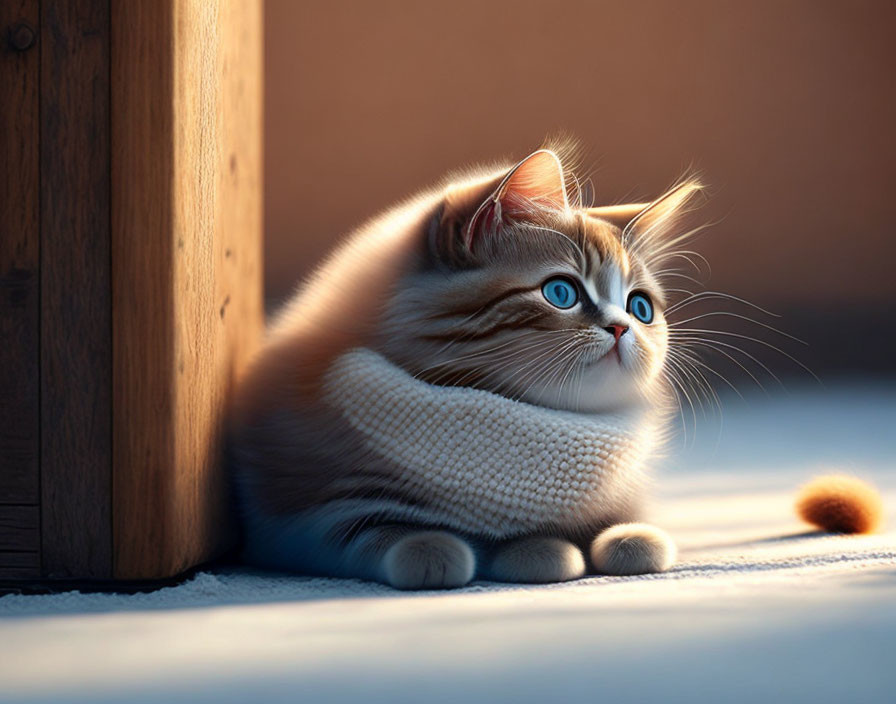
[536, 183]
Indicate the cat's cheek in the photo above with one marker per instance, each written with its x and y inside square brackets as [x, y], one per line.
[634, 356]
[647, 354]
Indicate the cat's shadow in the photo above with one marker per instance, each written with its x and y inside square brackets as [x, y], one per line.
[232, 584]
[802, 535]
[210, 586]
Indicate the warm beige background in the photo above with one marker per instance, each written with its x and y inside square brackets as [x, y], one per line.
[788, 107]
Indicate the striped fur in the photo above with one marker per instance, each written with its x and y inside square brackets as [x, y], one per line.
[441, 299]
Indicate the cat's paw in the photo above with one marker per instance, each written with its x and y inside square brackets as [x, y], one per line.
[429, 560]
[632, 548]
[537, 560]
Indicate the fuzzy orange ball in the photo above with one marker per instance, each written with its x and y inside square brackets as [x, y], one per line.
[840, 504]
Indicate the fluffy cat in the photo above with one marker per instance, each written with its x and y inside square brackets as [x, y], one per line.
[469, 387]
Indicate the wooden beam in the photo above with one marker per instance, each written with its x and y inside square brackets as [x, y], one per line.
[186, 224]
[19, 259]
[75, 350]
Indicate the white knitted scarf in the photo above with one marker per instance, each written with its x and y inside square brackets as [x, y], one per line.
[487, 464]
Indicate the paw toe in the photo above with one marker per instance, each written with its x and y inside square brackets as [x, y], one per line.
[632, 548]
[538, 561]
[429, 560]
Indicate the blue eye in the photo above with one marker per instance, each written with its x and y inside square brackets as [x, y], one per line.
[640, 306]
[560, 292]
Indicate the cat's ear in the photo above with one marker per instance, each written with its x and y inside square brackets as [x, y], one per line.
[532, 186]
[618, 215]
[650, 219]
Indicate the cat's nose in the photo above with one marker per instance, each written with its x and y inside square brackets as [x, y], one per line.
[616, 331]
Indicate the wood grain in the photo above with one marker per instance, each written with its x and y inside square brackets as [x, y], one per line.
[19, 529]
[19, 260]
[19, 565]
[186, 224]
[75, 290]
[19, 542]
[130, 281]
[142, 213]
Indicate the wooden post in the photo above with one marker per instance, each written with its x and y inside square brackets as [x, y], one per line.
[147, 123]
[19, 291]
[75, 341]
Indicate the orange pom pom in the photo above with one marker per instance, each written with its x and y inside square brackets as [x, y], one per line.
[840, 504]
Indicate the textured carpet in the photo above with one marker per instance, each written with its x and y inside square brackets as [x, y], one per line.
[759, 607]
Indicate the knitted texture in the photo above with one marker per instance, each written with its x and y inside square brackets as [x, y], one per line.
[487, 464]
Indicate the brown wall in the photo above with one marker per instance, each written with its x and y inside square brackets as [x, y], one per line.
[787, 106]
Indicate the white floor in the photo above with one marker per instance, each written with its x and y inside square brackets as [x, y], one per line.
[757, 610]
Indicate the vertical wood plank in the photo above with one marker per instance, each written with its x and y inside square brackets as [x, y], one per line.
[19, 253]
[75, 290]
[237, 317]
[187, 226]
[142, 280]
[197, 86]
[239, 265]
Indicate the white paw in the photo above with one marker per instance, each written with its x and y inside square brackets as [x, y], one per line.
[537, 560]
[429, 560]
[632, 548]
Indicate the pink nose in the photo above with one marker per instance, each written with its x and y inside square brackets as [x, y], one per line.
[616, 331]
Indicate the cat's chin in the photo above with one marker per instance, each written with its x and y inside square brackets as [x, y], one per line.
[604, 386]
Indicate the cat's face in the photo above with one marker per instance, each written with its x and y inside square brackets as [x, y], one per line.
[528, 296]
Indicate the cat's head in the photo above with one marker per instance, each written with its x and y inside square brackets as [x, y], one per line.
[526, 292]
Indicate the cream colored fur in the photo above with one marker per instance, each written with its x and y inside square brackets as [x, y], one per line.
[420, 414]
